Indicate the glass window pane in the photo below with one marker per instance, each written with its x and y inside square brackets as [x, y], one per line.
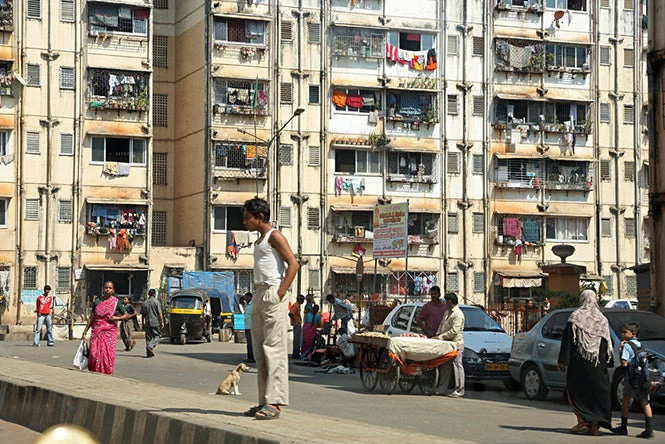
[97, 149]
[427, 42]
[361, 162]
[220, 218]
[138, 151]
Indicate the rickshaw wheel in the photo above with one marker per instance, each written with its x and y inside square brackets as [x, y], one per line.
[388, 380]
[182, 339]
[428, 381]
[407, 383]
[368, 365]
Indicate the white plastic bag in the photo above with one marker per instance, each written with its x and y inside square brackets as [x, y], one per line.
[81, 357]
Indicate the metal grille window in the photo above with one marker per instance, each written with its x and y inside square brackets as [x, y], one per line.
[478, 282]
[452, 282]
[66, 144]
[453, 223]
[118, 149]
[161, 4]
[286, 93]
[286, 154]
[4, 143]
[609, 280]
[606, 227]
[519, 54]
[31, 209]
[410, 164]
[285, 216]
[628, 55]
[628, 5]
[314, 157]
[605, 112]
[478, 46]
[478, 164]
[567, 229]
[241, 97]
[604, 3]
[423, 224]
[522, 172]
[30, 277]
[478, 105]
[631, 286]
[286, 31]
[160, 51]
[118, 89]
[236, 30]
[629, 171]
[628, 115]
[160, 168]
[228, 218]
[358, 43]
[34, 9]
[160, 107]
[605, 55]
[64, 278]
[314, 94]
[314, 32]
[478, 222]
[313, 218]
[453, 163]
[605, 170]
[509, 227]
[33, 77]
[360, 161]
[568, 56]
[452, 103]
[32, 142]
[105, 17]
[313, 279]
[67, 11]
[452, 44]
[239, 155]
[158, 228]
[66, 77]
[629, 227]
[65, 211]
[3, 216]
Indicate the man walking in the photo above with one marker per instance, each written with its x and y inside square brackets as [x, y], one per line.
[451, 329]
[342, 311]
[126, 325]
[44, 303]
[275, 267]
[296, 323]
[432, 313]
[248, 326]
[153, 322]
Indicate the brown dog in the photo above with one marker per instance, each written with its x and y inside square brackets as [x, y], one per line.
[229, 386]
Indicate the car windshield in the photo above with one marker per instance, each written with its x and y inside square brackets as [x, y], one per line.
[190, 302]
[476, 319]
[652, 326]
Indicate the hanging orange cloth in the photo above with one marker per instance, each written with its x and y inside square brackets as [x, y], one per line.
[339, 98]
[123, 241]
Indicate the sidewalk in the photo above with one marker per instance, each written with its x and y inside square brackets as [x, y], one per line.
[128, 411]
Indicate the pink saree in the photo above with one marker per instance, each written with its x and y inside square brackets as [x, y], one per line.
[103, 338]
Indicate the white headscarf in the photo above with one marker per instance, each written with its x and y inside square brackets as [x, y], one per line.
[590, 327]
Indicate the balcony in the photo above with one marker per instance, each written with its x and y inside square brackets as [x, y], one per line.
[359, 43]
[353, 227]
[120, 223]
[6, 79]
[412, 108]
[7, 16]
[106, 19]
[236, 161]
[411, 167]
[544, 173]
[118, 90]
[521, 56]
[241, 97]
[520, 6]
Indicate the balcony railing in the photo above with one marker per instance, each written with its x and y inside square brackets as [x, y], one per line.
[361, 46]
[7, 16]
[118, 90]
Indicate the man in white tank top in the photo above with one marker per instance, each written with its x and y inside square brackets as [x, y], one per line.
[275, 267]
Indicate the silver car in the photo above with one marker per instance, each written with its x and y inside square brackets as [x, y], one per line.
[534, 355]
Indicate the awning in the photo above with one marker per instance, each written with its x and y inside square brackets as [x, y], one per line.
[175, 266]
[568, 99]
[519, 279]
[570, 159]
[264, 18]
[369, 269]
[350, 208]
[116, 201]
[521, 97]
[423, 149]
[113, 267]
[519, 156]
[348, 146]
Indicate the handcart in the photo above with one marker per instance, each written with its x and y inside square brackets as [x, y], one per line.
[401, 361]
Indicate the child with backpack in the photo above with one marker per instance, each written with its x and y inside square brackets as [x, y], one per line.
[632, 388]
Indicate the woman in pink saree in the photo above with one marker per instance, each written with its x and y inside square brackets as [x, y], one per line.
[312, 322]
[103, 321]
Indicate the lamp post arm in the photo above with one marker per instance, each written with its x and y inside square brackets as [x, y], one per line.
[277, 133]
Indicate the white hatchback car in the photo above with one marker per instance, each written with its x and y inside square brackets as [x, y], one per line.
[627, 304]
[486, 344]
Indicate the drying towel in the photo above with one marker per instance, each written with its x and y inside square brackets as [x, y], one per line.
[431, 60]
[531, 231]
[354, 101]
[391, 52]
[339, 98]
[339, 181]
[511, 227]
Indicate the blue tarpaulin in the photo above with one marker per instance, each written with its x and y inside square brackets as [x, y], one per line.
[218, 284]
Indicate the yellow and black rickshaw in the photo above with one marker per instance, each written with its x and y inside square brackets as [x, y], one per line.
[187, 318]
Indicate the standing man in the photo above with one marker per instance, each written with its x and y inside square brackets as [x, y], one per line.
[248, 326]
[153, 322]
[44, 303]
[432, 313]
[125, 328]
[451, 330]
[343, 311]
[275, 267]
[296, 323]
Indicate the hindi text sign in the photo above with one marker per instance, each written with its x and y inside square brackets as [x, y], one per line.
[390, 230]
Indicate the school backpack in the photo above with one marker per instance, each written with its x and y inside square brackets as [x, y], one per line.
[645, 371]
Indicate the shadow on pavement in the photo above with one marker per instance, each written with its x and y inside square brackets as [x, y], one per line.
[535, 429]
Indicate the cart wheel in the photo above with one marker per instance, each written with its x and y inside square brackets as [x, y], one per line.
[368, 365]
[182, 339]
[388, 380]
[407, 383]
[428, 381]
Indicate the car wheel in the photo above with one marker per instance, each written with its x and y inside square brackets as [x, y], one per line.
[617, 388]
[511, 385]
[532, 383]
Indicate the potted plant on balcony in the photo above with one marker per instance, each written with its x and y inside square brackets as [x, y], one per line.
[429, 116]
[340, 48]
[142, 101]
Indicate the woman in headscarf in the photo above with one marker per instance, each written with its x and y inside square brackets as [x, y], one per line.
[586, 352]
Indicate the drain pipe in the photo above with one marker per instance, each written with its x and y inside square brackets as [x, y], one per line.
[637, 82]
[19, 166]
[323, 197]
[596, 144]
[209, 144]
[443, 168]
[616, 152]
[486, 100]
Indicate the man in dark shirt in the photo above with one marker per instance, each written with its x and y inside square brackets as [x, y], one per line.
[127, 324]
[153, 322]
[432, 313]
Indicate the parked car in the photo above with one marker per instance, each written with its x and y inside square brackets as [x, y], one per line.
[628, 304]
[486, 344]
[535, 353]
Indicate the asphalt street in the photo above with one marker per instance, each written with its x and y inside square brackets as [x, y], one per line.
[488, 413]
[17, 434]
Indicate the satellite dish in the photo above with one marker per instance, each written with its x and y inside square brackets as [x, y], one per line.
[558, 15]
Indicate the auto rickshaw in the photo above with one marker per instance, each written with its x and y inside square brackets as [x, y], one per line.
[186, 316]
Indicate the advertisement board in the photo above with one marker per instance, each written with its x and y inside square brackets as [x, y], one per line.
[390, 230]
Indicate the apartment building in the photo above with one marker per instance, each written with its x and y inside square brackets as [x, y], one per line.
[509, 126]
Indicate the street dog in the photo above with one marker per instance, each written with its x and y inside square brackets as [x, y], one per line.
[229, 386]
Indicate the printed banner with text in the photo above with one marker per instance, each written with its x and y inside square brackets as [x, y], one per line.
[390, 230]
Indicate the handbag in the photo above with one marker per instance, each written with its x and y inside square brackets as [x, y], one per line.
[81, 356]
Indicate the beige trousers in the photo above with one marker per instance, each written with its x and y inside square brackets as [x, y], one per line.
[270, 323]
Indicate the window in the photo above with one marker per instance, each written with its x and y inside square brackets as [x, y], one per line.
[453, 163]
[228, 218]
[478, 222]
[314, 32]
[345, 223]
[411, 41]
[32, 143]
[554, 327]
[631, 286]
[65, 211]
[67, 11]
[284, 216]
[160, 116]
[567, 56]
[402, 317]
[628, 61]
[159, 224]
[121, 89]
[567, 229]
[628, 115]
[285, 93]
[364, 101]
[609, 280]
[629, 171]
[241, 96]
[314, 158]
[313, 279]
[606, 227]
[605, 55]
[66, 77]
[604, 3]
[116, 149]
[30, 277]
[240, 155]
[34, 9]
[105, 17]
[605, 171]
[314, 94]
[351, 161]
[31, 209]
[285, 154]
[160, 168]
[3, 213]
[564, 112]
[160, 51]
[107, 216]
[313, 218]
[66, 144]
[478, 164]
[478, 281]
[286, 31]
[4, 143]
[161, 4]
[508, 228]
[33, 72]
[359, 43]
[478, 46]
[605, 112]
[478, 105]
[409, 163]
[452, 44]
[573, 5]
[629, 227]
[423, 224]
[628, 5]
[452, 283]
[453, 223]
[452, 103]
[528, 172]
[64, 278]
[235, 30]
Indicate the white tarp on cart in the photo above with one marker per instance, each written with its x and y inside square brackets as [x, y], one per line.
[419, 349]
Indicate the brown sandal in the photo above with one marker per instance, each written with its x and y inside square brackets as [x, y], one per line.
[267, 412]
